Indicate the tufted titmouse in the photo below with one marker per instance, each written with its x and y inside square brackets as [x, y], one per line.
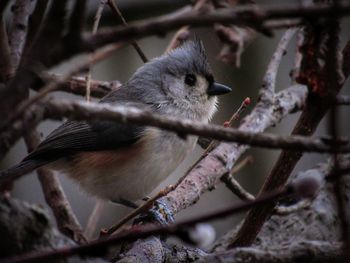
[125, 162]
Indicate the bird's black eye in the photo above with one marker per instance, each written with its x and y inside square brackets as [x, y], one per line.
[190, 79]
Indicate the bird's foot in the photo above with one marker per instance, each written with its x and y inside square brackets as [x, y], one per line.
[159, 213]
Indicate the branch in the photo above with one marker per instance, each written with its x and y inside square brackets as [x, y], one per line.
[76, 23]
[318, 105]
[95, 26]
[300, 251]
[92, 221]
[27, 228]
[142, 208]
[18, 31]
[286, 101]
[51, 86]
[66, 221]
[302, 225]
[234, 38]
[236, 188]
[39, 55]
[77, 110]
[116, 11]
[77, 85]
[35, 22]
[286, 210]
[333, 68]
[267, 90]
[179, 229]
[5, 58]
[249, 15]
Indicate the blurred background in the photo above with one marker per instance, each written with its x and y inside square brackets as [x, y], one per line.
[245, 81]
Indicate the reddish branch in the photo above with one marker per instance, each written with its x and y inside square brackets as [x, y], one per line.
[318, 105]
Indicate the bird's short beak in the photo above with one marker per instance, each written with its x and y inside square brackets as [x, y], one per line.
[217, 89]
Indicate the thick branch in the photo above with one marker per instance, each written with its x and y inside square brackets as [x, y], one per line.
[301, 251]
[286, 101]
[241, 16]
[318, 222]
[26, 228]
[318, 105]
[18, 31]
[35, 22]
[5, 58]
[180, 229]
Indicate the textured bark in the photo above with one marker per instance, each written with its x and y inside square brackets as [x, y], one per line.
[25, 228]
[319, 222]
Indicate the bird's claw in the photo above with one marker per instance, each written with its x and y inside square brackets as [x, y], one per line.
[159, 213]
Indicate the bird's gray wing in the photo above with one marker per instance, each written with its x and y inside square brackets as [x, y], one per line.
[79, 136]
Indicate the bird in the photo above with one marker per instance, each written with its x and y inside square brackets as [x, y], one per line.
[124, 162]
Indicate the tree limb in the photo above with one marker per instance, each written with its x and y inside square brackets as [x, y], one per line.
[55, 197]
[316, 108]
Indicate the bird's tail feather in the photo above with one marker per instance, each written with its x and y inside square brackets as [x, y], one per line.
[19, 170]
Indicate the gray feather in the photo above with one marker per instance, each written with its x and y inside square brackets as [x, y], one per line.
[79, 136]
[18, 170]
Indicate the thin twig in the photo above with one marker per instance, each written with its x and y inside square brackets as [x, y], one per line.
[238, 167]
[117, 11]
[233, 184]
[180, 36]
[93, 220]
[286, 210]
[184, 32]
[237, 114]
[267, 91]
[144, 207]
[236, 188]
[94, 30]
[178, 229]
